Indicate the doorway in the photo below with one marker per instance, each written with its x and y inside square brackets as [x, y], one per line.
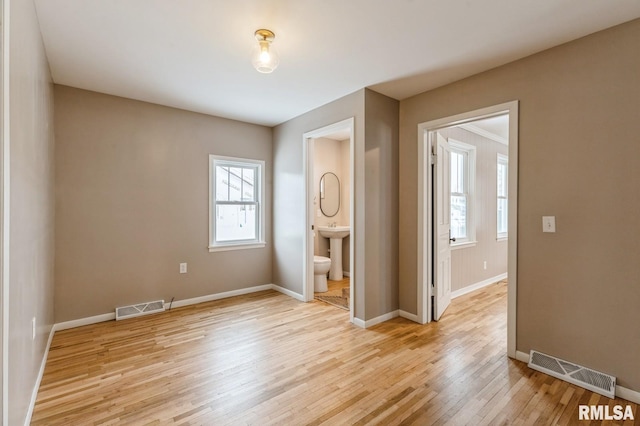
[434, 217]
[315, 214]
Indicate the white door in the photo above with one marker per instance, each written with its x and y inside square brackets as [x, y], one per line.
[442, 249]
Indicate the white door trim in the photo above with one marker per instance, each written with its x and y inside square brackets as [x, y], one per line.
[425, 197]
[307, 234]
[4, 209]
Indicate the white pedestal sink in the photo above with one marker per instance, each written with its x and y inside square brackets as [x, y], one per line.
[335, 235]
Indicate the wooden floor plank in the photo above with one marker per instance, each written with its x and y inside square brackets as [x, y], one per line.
[265, 358]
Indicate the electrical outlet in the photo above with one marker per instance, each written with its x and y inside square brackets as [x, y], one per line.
[33, 328]
[183, 268]
[485, 265]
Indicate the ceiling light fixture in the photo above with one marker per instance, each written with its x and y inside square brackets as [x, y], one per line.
[264, 57]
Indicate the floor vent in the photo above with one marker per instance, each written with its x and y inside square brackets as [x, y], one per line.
[580, 376]
[131, 311]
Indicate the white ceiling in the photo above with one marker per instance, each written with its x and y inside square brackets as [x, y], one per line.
[194, 54]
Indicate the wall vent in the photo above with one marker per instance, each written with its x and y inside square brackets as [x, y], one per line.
[595, 381]
[146, 308]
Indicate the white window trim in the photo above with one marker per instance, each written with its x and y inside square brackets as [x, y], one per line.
[470, 240]
[236, 245]
[502, 236]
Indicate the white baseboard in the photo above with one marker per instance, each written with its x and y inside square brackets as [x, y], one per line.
[522, 356]
[476, 286]
[628, 394]
[359, 322]
[621, 392]
[346, 273]
[287, 292]
[84, 321]
[36, 387]
[374, 321]
[218, 296]
[407, 315]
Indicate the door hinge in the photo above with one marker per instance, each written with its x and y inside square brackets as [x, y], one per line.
[434, 158]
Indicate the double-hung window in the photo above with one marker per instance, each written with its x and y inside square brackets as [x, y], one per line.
[503, 200]
[462, 171]
[236, 211]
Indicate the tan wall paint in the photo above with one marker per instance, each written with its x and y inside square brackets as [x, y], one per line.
[31, 283]
[578, 289]
[467, 263]
[381, 203]
[375, 186]
[132, 203]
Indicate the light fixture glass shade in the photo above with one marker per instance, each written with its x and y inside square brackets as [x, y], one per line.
[264, 56]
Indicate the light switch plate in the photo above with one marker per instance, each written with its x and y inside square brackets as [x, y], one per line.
[548, 224]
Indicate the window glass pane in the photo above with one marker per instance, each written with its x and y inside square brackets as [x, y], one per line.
[502, 216]
[236, 222]
[458, 216]
[458, 183]
[502, 180]
[222, 183]
[235, 184]
[248, 187]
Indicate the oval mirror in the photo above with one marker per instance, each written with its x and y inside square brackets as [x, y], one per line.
[329, 194]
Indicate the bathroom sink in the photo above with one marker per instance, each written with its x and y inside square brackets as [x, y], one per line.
[334, 231]
[335, 235]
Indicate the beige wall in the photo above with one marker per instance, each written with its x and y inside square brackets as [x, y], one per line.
[578, 289]
[132, 203]
[31, 209]
[381, 203]
[375, 186]
[467, 267]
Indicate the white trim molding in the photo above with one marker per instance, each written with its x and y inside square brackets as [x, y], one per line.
[36, 388]
[377, 320]
[288, 292]
[409, 316]
[473, 287]
[484, 133]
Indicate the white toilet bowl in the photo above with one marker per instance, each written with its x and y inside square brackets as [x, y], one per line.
[321, 266]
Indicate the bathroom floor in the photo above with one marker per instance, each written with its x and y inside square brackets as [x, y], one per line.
[337, 294]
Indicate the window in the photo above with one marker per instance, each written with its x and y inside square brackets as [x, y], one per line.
[503, 201]
[462, 170]
[236, 212]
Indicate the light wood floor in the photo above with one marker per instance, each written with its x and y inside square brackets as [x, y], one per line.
[265, 359]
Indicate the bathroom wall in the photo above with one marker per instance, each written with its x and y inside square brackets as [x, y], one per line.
[329, 156]
[467, 266]
[132, 202]
[578, 289]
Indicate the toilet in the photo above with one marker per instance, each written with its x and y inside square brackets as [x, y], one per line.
[321, 266]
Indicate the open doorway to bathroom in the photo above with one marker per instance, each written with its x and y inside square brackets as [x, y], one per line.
[446, 219]
[329, 154]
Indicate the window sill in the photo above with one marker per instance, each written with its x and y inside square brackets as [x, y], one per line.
[229, 247]
[502, 239]
[466, 244]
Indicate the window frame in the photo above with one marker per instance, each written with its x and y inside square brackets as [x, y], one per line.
[469, 153]
[502, 159]
[259, 184]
